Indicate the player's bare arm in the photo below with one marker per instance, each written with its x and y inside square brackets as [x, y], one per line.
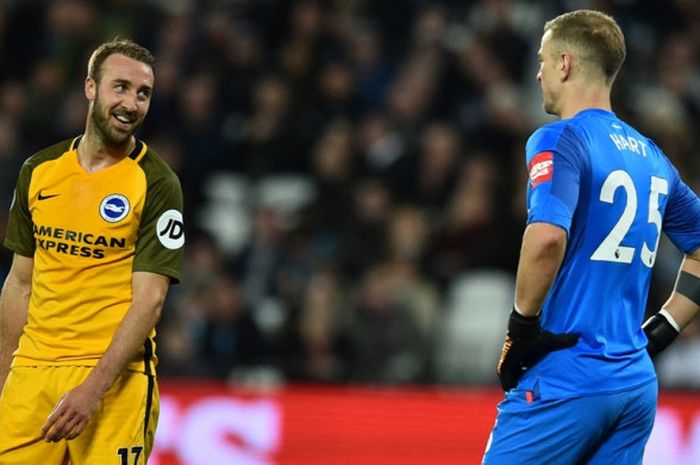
[541, 254]
[679, 310]
[74, 410]
[14, 304]
[683, 307]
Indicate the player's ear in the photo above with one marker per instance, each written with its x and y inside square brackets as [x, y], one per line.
[565, 66]
[90, 88]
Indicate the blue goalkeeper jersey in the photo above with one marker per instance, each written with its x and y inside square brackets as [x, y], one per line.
[613, 191]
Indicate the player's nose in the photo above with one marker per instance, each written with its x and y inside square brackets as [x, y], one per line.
[129, 102]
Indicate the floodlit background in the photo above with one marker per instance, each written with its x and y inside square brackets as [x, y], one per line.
[353, 172]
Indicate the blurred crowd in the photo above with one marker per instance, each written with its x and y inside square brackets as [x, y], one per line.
[353, 170]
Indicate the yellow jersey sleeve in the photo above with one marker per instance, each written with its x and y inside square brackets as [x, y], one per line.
[19, 236]
[161, 235]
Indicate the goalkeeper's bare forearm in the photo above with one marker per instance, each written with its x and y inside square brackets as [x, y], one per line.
[541, 254]
[663, 327]
[681, 307]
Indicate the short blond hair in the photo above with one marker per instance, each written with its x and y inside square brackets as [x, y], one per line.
[120, 46]
[593, 33]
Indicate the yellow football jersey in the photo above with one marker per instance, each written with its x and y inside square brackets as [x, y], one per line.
[87, 233]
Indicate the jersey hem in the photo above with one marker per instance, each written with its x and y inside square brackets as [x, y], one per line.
[136, 366]
[169, 272]
[18, 249]
[558, 222]
[576, 395]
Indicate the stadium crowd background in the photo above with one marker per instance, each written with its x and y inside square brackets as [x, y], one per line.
[353, 170]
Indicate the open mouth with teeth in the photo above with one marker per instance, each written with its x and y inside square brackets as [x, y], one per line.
[124, 121]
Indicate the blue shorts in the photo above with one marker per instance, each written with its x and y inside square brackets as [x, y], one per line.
[599, 429]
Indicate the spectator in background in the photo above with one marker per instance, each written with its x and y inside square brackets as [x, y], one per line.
[408, 236]
[199, 128]
[333, 167]
[372, 68]
[227, 337]
[177, 335]
[364, 241]
[387, 341]
[45, 101]
[318, 340]
[382, 149]
[9, 156]
[430, 179]
[261, 262]
[471, 234]
[270, 143]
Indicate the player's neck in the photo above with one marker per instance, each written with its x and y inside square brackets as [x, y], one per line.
[584, 98]
[94, 155]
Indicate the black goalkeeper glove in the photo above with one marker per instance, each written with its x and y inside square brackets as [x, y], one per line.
[660, 331]
[526, 344]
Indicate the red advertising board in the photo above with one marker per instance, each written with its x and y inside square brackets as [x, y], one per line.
[211, 424]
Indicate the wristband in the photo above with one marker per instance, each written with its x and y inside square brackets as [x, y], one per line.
[688, 285]
[670, 319]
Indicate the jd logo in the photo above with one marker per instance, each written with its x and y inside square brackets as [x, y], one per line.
[170, 229]
[173, 229]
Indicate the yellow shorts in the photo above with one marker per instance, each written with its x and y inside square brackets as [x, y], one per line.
[120, 433]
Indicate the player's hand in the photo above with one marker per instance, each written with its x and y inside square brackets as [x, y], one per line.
[526, 344]
[71, 414]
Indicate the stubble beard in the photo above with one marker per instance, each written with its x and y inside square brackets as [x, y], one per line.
[109, 135]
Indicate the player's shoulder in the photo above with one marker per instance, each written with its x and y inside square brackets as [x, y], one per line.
[155, 168]
[549, 136]
[49, 153]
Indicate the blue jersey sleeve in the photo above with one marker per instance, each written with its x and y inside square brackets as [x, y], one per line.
[555, 161]
[682, 217]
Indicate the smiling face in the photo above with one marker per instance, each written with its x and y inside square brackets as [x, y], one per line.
[120, 100]
[549, 75]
